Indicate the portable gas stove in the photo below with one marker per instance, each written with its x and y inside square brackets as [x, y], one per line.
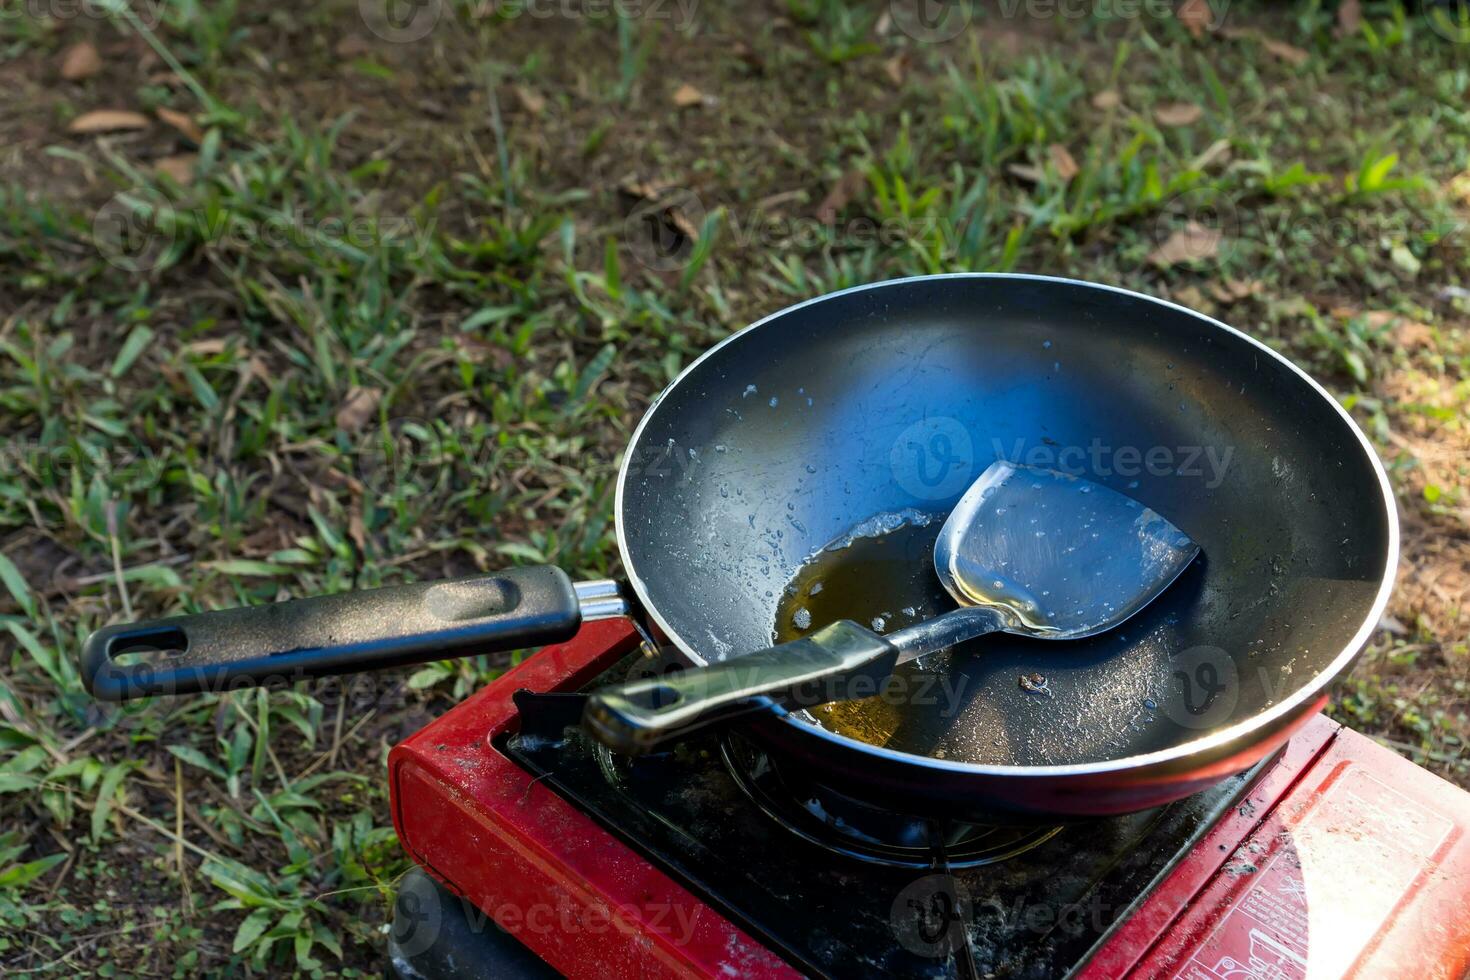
[1335, 857]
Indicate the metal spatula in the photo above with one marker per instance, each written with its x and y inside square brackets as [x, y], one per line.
[1026, 551]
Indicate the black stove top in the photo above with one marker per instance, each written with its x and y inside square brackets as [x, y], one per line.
[834, 900]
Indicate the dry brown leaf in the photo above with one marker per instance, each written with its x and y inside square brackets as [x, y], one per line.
[207, 347]
[186, 126]
[360, 405]
[107, 121]
[356, 529]
[1408, 334]
[1061, 159]
[1289, 53]
[896, 68]
[1233, 290]
[1195, 16]
[1413, 335]
[649, 191]
[749, 55]
[1349, 16]
[1192, 243]
[1216, 152]
[1026, 172]
[1178, 114]
[352, 46]
[80, 61]
[849, 186]
[687, 96]
[180, 168]
[530, 99]
[1458, 187]
[1191, 297]
[1107, 99]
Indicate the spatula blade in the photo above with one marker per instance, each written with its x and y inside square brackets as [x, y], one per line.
[1060, 556]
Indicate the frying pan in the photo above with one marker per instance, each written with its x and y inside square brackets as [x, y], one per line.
[890, 399]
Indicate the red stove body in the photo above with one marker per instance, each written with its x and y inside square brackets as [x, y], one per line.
[1340, 859]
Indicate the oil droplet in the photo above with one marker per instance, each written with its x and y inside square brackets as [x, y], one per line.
[1046, 344]
[775, 401]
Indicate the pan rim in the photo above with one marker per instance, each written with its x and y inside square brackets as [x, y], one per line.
[1264, 720]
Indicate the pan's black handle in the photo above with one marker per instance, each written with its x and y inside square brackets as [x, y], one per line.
[838, 662]
[332, 634]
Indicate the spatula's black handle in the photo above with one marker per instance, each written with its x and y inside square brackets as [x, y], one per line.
[826, 666]
[332, 634]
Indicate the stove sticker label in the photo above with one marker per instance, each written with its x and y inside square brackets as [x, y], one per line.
[1326, 886]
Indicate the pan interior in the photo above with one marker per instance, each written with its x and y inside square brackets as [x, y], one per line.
[891, 400]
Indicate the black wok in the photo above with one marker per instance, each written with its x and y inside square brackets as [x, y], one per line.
[895, 396]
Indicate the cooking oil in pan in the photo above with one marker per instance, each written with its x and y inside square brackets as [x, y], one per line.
[884, 581]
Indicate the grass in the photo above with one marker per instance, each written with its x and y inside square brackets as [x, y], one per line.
[401, 313]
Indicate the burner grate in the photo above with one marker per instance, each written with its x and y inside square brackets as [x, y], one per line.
[855, 829]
